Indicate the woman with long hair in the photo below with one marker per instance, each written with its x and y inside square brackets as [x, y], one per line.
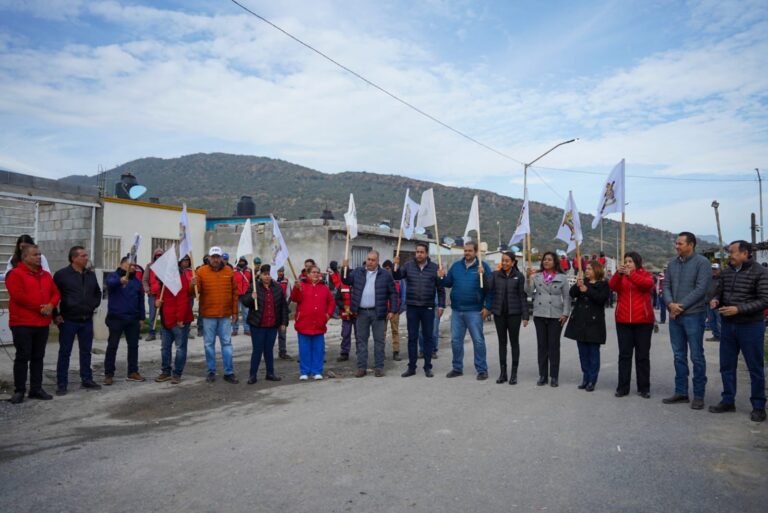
[510, 309]
[551, 307]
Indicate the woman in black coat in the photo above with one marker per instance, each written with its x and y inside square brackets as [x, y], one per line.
[587, 323]
[510, 309]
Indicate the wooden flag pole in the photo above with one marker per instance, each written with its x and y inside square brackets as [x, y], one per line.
[399, 240]
[437, 238]
[528, 251]
[346, 253]
[293, 271]
[578, 259]
[157, 312]
[253, 280]
[479, 256]
[192, 267]
[622, 237]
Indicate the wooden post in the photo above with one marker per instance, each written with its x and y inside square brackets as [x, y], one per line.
[622, 236]
[578, 259]
[399, 240]
[293, 271]
[437, 238]
[346, 253]
[192, 267]
[253, 280]
[157, 314]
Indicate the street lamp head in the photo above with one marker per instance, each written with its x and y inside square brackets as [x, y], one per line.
[715, 204]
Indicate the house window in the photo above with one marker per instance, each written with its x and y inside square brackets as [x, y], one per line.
[111, 253]
[163, 244]
[357, 256]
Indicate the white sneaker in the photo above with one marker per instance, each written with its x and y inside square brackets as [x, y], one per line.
[303, 377]
[318, 377]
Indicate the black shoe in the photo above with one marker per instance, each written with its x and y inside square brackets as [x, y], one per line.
[697, 403]
[61, 390]
[272, 377]
[251, 380]
[502, 376]
[396, 356]
[230, 378]
[722, 407]
[677, 398]
[454, 374]
[655, 328]
[408, 373]
[553, 383]
[513, 376]
[429, 374]
[343, 357]
[210, 378]
[644, 394]
[434, 355]
[199, 333]
[150, 338]
[583, 385]
[482, 376]
[40, 394]
[621, 393]
[757, 415]
[285, 356]
[590, 387]
[90, 384]
[17, 398]
[713, 339]
[542, 381]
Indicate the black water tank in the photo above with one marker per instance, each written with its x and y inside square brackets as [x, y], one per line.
[245, 207]
[127, 180]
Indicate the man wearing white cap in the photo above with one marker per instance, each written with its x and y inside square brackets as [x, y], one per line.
[218, 309]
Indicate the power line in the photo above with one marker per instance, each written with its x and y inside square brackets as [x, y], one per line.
[376, 86]
[646, 177]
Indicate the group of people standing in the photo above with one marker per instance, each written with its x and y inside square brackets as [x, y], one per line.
[370, 297]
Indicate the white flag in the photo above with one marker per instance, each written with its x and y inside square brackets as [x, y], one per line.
[570, 226]
[410, 209]
[185, 236]
[612, 195]
[245, 246]
[350, 217]
[134, 248]
[427, 215]
[523, 226]
[473, 223]
[166, 268]
[279, 250]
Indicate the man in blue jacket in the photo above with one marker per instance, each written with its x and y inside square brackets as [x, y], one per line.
[422, 282]
[470, 305]
[125, 315]
[686, 285]
[373, 291]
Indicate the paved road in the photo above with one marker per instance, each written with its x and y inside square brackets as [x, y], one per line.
[384, 444]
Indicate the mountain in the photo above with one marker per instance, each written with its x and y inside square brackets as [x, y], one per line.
[216, 181]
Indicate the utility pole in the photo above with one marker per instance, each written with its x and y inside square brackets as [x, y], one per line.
[753, 229]
[716, 205]
[760, 183]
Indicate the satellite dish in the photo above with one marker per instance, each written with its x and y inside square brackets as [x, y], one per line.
[449, 241]
[514, 249]
[420, 230]
[137, 191]
[560, 252]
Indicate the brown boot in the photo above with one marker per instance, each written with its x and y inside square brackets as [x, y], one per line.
[175, 379]
[108, 380]
[135, 376]
[360, 373]
[163, 377]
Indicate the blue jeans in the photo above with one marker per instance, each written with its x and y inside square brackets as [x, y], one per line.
[311, 354]
[589, 355]
[221, 327]
[170, 337]
[687, 331]
[662, 310]
[263, 342]
[347, 325]
[118, 327]
[243, 316]
[67, 332]
[435, 336]
[152, 314]
[420, 318]
[713, 321]
[365, 324]
[747, 338]
[460, 323]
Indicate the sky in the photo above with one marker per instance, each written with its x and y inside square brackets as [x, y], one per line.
[678, 89]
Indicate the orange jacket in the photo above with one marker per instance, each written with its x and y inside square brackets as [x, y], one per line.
[218, 291]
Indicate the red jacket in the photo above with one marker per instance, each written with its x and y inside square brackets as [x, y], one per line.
[177, 309]
[346, 300]
[634, 292]
[243, 280]
[315, 305]
[28, 292]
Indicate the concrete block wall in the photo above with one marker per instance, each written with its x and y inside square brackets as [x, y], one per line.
[60, 227]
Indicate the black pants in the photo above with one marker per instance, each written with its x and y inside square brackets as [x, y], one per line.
[29, 342]
[420, 318]
[548, 343]
[508, 328]
[634, 338]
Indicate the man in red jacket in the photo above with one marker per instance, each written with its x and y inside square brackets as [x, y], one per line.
[175, 319]
[33, 296]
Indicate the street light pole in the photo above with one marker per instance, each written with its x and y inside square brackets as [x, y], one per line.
[527, 240]
[716, 205]
[760, 182]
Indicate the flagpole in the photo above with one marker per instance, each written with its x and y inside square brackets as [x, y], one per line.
[192, 267]
[253, 280]
[346, 253]
[479, 254]
[293, 271]
[160, 300]
[622, 236]
[578, 259]
[399, 239]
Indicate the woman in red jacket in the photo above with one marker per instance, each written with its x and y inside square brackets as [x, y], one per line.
[634, 323]
[33, 295]
[315, 305]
